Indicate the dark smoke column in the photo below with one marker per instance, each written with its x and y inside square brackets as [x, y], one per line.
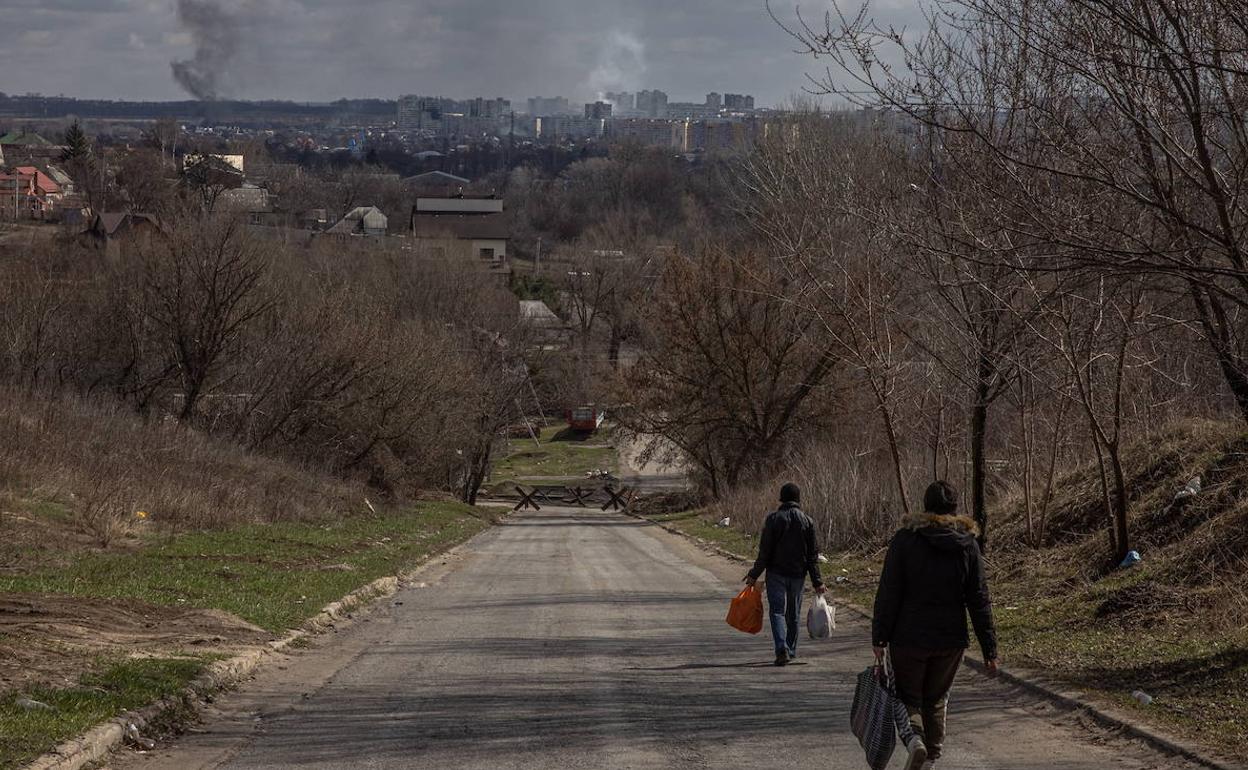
[215, 33]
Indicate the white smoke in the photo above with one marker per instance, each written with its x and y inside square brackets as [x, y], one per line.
[621, 64]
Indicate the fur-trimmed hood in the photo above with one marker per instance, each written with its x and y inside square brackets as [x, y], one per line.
[955, 522]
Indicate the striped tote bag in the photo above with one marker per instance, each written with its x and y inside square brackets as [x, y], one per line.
[877, 717]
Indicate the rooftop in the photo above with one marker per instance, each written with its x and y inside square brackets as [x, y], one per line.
[494, 226]
[25, 139]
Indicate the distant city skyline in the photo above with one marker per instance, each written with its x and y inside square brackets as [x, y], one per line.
[319, 50]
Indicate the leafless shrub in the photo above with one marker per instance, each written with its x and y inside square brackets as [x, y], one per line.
[102, 511]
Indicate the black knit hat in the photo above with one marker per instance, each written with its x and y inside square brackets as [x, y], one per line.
[940, 498]
[790, 493]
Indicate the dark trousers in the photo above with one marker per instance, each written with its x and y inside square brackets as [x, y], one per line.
[924, 678]
[784, 602]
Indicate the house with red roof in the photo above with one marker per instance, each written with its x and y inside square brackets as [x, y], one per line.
[28, 193]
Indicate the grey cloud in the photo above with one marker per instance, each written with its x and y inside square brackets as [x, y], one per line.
[325, 49]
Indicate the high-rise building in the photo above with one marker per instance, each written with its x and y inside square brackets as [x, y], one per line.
[738, 102]
[652, 103]
[417, 112]
[714, 101]
[487, 108]
[598, 110]
[647, 131]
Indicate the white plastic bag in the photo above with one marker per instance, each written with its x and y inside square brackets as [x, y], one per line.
[820, 618]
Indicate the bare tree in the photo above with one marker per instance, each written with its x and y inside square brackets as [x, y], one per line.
[813, 194]
[730, 371]
[1127, 106]
[201, 288]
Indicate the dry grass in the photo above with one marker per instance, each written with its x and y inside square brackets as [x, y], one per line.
[850, 493]
[110, 471]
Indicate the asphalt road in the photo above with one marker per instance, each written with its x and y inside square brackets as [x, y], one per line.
[582, 640]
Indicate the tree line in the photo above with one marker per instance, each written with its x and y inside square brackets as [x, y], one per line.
[1024, 253]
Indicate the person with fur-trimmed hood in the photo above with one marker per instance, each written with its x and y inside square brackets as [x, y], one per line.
[933, 577]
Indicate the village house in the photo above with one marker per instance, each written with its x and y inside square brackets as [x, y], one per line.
[115, 234]
[477, 224]
[22, 146]
[363, 220]
[28, 193]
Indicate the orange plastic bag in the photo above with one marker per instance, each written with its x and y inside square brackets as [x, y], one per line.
[746, 611]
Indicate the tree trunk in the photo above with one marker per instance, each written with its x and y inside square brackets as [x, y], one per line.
[979, 457]
[1121, 534]
[894, 450]
[613, 350]
[1219, 332]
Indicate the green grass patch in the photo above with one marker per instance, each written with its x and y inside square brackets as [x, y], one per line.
[273, 575]
[557, 453]
[1196, 673]
[114, 688]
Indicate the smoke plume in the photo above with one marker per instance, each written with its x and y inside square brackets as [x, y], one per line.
[215, 33]
[621, 64]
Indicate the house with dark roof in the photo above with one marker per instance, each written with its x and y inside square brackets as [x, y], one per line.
[116, 233]
[477, 225]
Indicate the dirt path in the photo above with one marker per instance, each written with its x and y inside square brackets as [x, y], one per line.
[572, 639]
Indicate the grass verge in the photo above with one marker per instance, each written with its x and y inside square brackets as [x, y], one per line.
[113, 688]
[273, 575]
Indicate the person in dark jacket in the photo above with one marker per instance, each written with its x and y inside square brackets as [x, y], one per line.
[933, 576]
[788, 552]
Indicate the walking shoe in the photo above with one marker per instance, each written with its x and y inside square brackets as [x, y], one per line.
[782, 658]
[918, 753]
[929, 765]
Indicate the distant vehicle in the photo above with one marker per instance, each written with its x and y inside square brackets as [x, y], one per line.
[586, 418]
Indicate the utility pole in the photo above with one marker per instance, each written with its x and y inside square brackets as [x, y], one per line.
[537, 261]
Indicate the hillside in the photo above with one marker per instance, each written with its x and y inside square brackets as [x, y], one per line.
[133, 552]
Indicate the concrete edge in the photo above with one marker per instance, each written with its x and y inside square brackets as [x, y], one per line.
[100, 741]
[1028, 680]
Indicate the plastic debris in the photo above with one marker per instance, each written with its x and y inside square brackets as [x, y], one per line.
[842, 579]
[727, 520]
[1133, 558]
[136, 739]
[1143, 697]
[1190, 490]
[31, 704]
[823, 559]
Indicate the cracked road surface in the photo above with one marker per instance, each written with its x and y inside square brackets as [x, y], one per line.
[577, 639]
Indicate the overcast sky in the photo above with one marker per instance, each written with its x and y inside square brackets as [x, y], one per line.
[326, 49]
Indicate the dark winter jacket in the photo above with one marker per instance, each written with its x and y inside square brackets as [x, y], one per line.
[787, 546]
[933, 576]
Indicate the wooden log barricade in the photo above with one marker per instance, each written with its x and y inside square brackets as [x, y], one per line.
[611, 499]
